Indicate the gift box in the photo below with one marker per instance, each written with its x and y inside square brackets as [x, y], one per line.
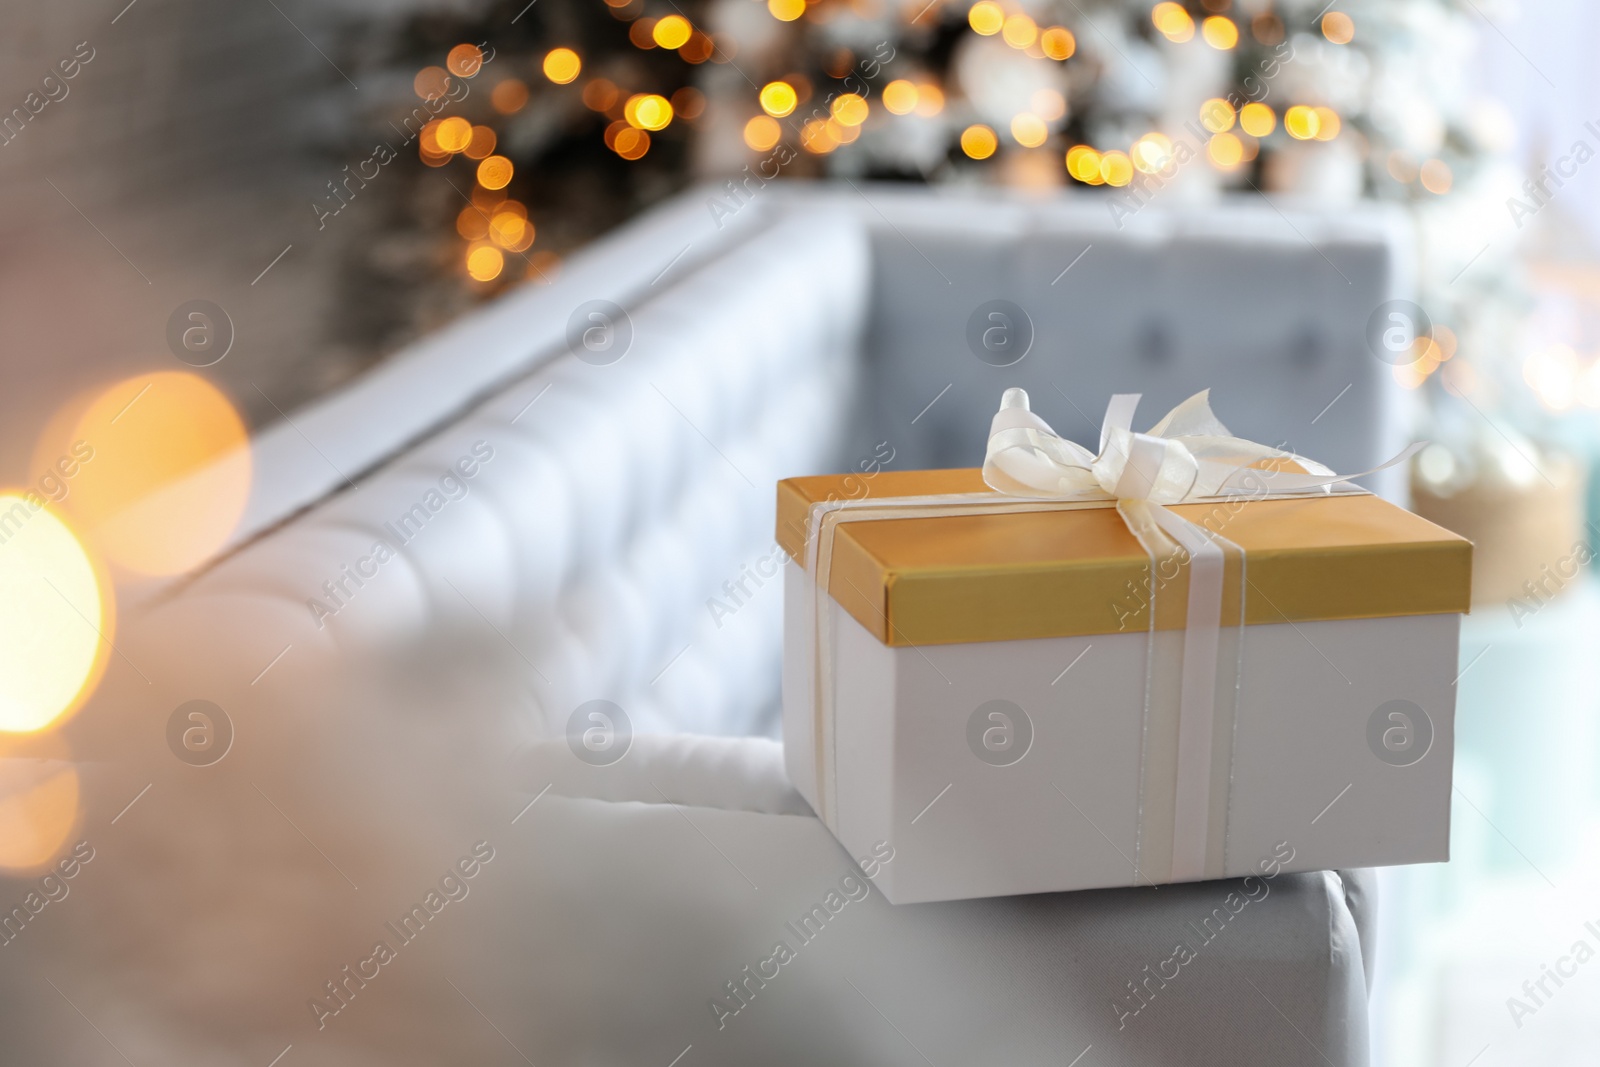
[1186, 657]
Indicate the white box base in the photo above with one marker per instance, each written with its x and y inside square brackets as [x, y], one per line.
[1066, 814]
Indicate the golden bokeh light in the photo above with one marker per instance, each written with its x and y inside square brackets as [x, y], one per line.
[688, 103]
[631, 143]
[472, 223]
[986, 17]
[1173, 22]
[673, 32]
[495, 172]
[171, 471]
[786, 10]
[1019, 31]
[930, 99]
[979, 142]
[762, 133]
[778, 99]
[642, 33]
[1328, 123]
[1083, 163]
[600, 95]
[1338, 27]
[818, 138]
[849, 109]
[482, 143]
[1029, 130]
[509, 96]
[465, 60]
[485, 262]
[648, 111]
[1257, 119]
[1301, 122]
[697, 49]
[562, 65]
[1116, 168]
[40, 802]
[1217, 115]
[1220, 32]
[431, 82]
[55, 614]
[843, 134]
[1225, 150]
[453, 134]
[900, 97]
[1152, 153]
[511, 231]
[1058, 42]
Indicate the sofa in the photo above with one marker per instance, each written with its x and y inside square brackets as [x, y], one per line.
[415, 849]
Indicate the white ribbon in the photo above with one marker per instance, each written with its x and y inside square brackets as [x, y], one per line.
[1189, 456]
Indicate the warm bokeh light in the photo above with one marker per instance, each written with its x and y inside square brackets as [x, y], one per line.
[431, 82]
[40, 802]
[1220, 32]
[600, 95]
[55, 614]
[786, 10]
[986, 17]
[485, 262]
[1267, 28]
[1436, 176]
[1217, 115]
[979, 142]
[778, 99]
[688, 103]
[472, 223]
[1173, 22]
[849, 109]
[1225, 150]
[631, 143]
[1257, 119]
[697, 49]
[1048, 104]
[900, 97]
[465, 60]
[1116, 168]
[1058, 42]
[817, 137]
[562, 65]
[672, 31]
[1029, 130]
[762, 132]
[843, 134]
[641, 33]
[1301, 122]
[453, 134]
[1152, 152]
[509, 96]
[482, 143]
[1338, 27]
[511, 231]
[1328, 123]
[930, 99]
[1083, 163]
[495, 172]
[1019, 31]
[170, 476]
[648, 111]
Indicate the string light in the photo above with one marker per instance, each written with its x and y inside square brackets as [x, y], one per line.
[786, 10]
[1301, 122]
[1083, 163]
[495, 172]
[485, 262]
[672, 32]
[453, 134]
[648, 111]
